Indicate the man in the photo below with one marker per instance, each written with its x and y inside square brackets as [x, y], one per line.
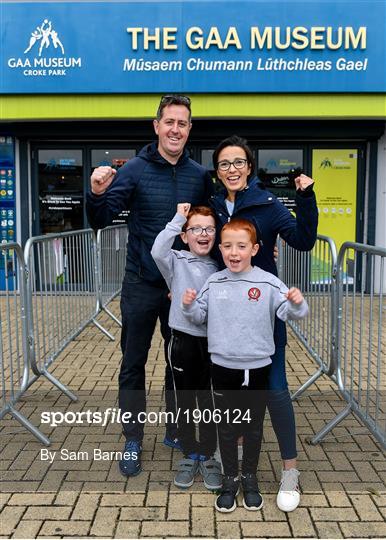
[150, 186]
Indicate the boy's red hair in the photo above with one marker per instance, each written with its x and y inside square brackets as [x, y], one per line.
[199, 211]
[238, 224]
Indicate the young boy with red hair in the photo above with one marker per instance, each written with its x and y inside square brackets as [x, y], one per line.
[188, 347]
[239, 305]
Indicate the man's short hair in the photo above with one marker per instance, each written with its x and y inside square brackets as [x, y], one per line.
[173, 99]
[238, 224]
[199, 211]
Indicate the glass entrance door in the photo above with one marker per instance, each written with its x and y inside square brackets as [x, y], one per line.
[278, 168]
[60, 190]
[116, 158]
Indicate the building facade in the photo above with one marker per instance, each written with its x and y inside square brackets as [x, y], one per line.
[304, 82]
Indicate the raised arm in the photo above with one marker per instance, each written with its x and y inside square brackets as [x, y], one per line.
[161, 251]
[300, 232]
[111, 192]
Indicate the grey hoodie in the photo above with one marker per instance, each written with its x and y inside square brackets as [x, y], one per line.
[240, 309]
[181, 270]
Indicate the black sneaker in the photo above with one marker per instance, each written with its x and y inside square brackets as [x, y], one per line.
[252, 499]
[226, 501]
[130, 464]
[172, 442]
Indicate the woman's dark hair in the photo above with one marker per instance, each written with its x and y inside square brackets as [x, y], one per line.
[235, 140]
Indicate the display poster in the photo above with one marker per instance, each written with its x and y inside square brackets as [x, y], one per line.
[7, 203]
[335, 174]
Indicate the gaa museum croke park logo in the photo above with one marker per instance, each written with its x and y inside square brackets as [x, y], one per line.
[337, 163]
[44, 54]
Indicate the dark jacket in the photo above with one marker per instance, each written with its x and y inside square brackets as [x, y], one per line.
[271, 218]
[150, 187]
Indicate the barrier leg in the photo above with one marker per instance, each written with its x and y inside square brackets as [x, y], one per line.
[328, 427]
[59, 385]
[102, 329]
[27, 424]
[112, 316]
[308, 383]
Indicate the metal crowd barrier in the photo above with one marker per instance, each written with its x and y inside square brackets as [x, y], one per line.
[111, 249]
[52, 293]
[61, 291]
[360, 344]
[15, 372]
[64, 281]
[314, 274]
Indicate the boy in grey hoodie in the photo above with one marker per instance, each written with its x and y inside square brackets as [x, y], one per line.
[188, 347]
[239, 305]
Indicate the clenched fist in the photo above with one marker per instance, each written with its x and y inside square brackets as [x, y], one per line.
[101, 178]
[303, 181]
[183, 209]
[189, 296]
[295, 296]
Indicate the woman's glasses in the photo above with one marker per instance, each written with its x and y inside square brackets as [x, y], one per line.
[225, 165]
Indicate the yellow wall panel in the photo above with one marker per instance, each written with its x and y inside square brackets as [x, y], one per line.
[71, 107]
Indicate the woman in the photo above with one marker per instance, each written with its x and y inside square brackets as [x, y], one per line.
[244, 196]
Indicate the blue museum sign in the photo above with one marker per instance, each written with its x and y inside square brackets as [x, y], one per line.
[193, 46]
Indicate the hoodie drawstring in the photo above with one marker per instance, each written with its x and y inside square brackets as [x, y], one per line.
[246, 378]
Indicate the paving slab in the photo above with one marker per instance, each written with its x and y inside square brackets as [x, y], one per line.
[68, 489]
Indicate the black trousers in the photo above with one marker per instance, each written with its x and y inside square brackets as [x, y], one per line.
[141, 305]
[242, 409]
[190, 363]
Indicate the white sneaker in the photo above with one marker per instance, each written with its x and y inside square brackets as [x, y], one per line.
[288, 497]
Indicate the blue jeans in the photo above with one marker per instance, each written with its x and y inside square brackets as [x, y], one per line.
[280, 406]
[141, 305]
